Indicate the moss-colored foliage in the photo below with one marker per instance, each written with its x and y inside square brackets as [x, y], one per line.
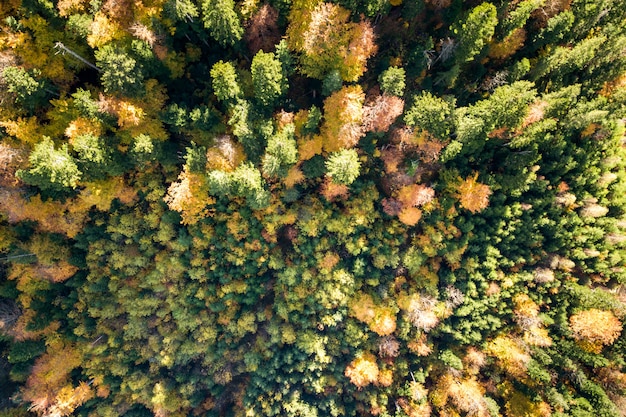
[227, 208]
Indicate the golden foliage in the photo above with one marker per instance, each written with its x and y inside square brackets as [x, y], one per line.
[410, 216]
[473, 195]
[465, 395]
[510, 45]
[128, 114]
[415, 195]
[70, 7]
[361, 47]
[525, 308]
[49, 388]
[328, 40]
[26, 130]
[190, 197]
[429, 148]
[136, 117]
[34, 48]
[225, 155]
[363, 370]
[20, 332]
[103, 30]
[597, 327]
[362, 308]
[81, 126]
[8, 7]
[343, 118]
[52, 216]
[59, 272]
[294, 176]
[385, 378]
[102, 193]
[308, 148]
[537, 336]
[474, 360]
[526, 313]
[519, 405]
[511, 356]
[328, 262]
[420, 346]
[384, 321]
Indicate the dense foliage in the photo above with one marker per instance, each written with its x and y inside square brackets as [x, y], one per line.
[306, 208]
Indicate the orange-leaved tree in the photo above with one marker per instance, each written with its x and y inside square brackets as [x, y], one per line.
[473, 195]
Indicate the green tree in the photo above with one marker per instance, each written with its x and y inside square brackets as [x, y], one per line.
[51, 169]
[268, 78]
[28, 91]
[225, 82]
[393, 81]
[222, 22]
[281, 152]
[121, 74]
[343, 166]
[433, 114]
[474, 32]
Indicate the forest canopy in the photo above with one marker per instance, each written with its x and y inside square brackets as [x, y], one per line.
[307, 208]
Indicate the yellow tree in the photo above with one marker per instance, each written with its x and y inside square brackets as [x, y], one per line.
[595, 328]
[363, 370]
[49, 388]
[189, 196]
[328, 41]
[343, 118]
[473, 195]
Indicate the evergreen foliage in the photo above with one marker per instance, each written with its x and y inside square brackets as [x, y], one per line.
[219, 208]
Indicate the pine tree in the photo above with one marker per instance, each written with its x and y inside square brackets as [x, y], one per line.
[51, 169]
[343, 166]
[221, 20]
[267, 76]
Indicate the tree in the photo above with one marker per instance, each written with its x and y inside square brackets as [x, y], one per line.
[432, 114]
[475, 31]
[343, 118]
[28, 91]
[267, 76]
[393, 81]
[363, 370]
[225, 83]
[220, 18]
[262, 31]
[189, 196]
[473, 195]
[121, 74]
[281, 152]
[51, 169]
[382, 113]
[596, 327]
[326, 40]
[343, 166]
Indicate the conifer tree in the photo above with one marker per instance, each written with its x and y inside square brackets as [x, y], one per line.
[51, 169]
